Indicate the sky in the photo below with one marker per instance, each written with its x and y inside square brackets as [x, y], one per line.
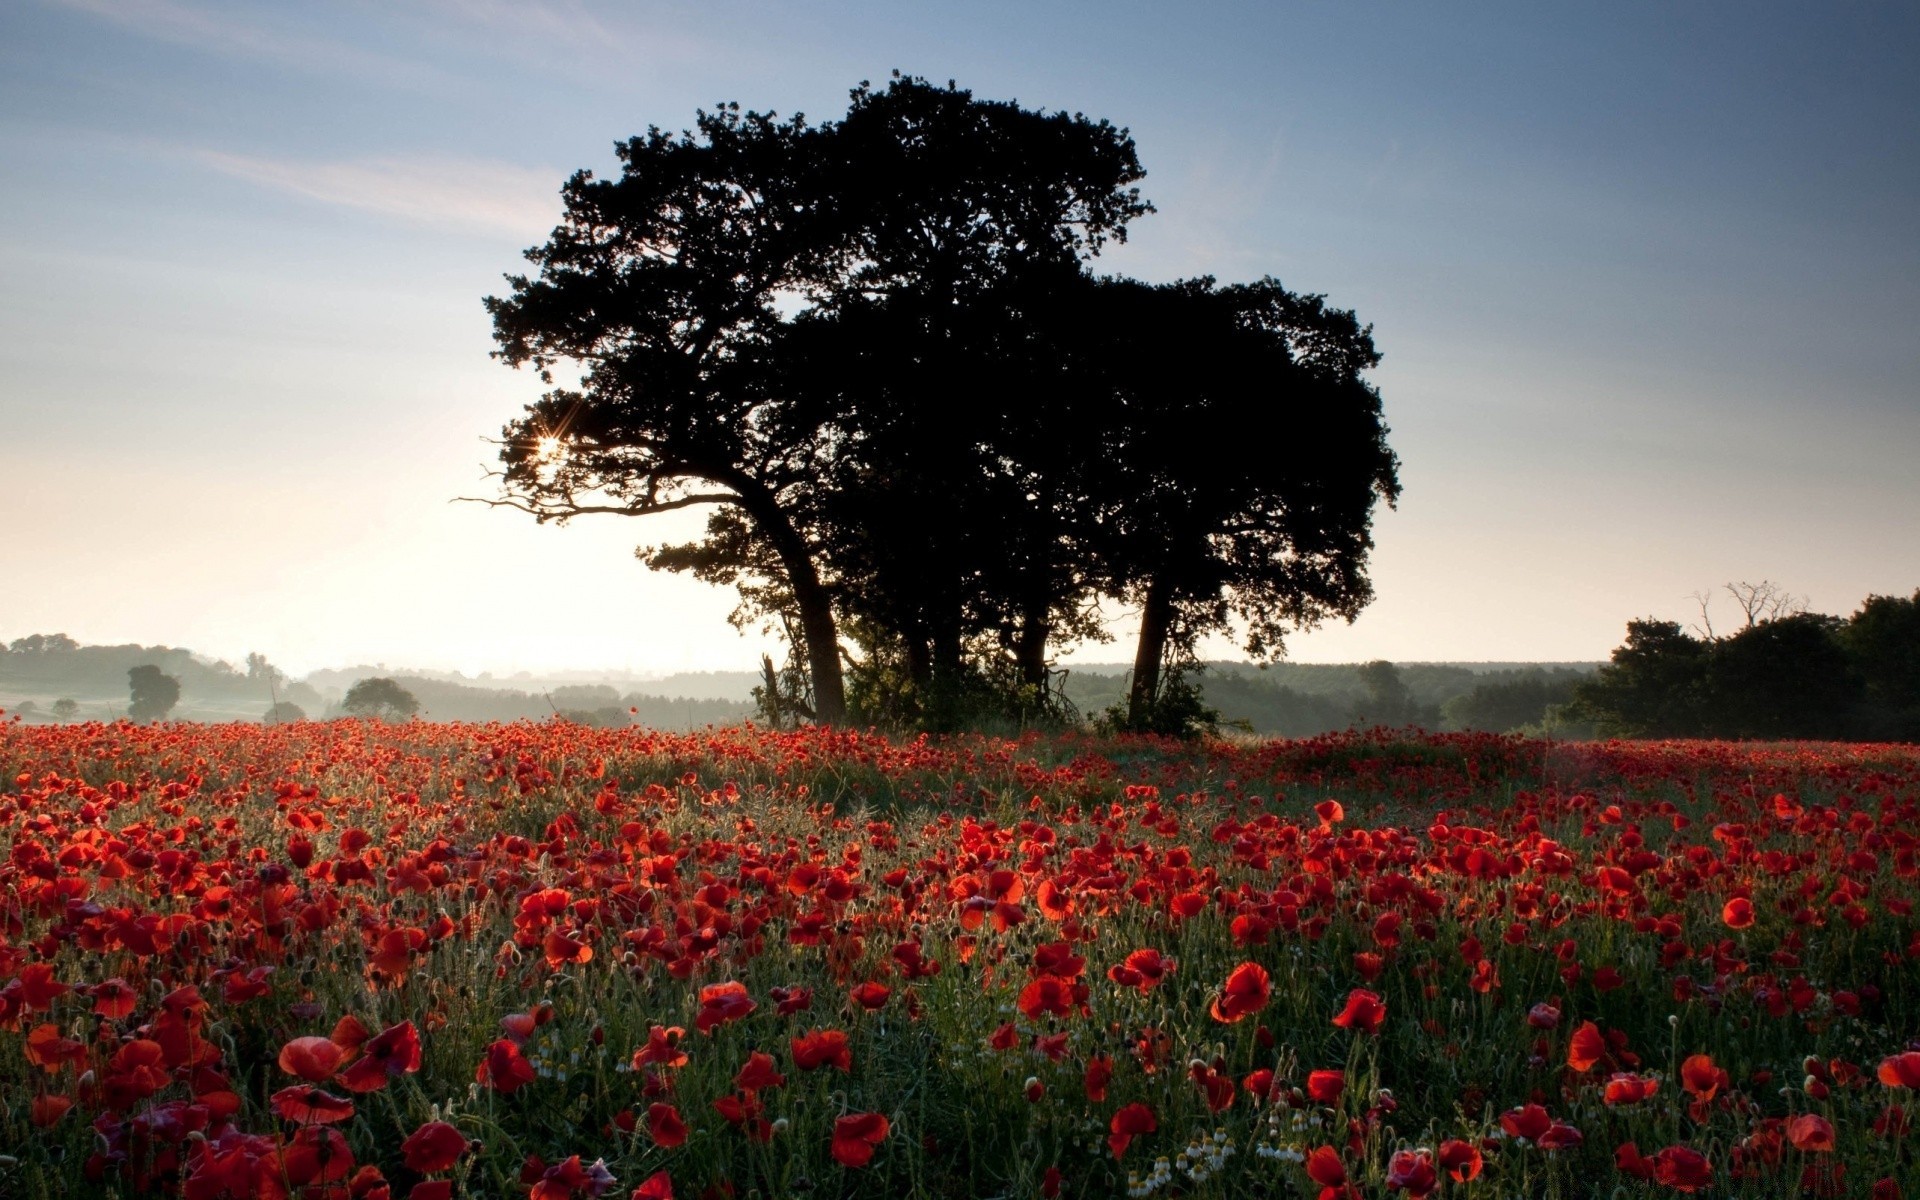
[1646, 278]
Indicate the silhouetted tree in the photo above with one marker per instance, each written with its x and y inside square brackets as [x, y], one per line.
[1655, 685]
[153, 693]
[1787, 677]
[1206, 519]
[1882, 641]
[65, 708]
[380, 697]
[666, 288]
[284, 713]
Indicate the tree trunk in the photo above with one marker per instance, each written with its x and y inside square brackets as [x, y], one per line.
[1030, 647]
[810, 597]
[1156, 622]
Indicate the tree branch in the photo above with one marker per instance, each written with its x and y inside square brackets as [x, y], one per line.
[629, 510]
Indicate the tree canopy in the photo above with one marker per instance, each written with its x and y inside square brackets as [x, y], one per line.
[379, 697]
[1791, 675]
[930, 441]
[152, 693]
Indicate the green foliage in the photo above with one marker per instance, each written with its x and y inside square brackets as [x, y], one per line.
[380, 697]
[1796, 675]
[1178, 708]
[982, 693]
[1513, 700]
[285, 712]
[152, 693]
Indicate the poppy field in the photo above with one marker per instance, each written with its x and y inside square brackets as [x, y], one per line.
[356, 961]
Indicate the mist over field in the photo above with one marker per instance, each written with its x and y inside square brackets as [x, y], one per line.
[1286, 699]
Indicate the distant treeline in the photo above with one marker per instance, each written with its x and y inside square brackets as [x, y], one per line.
[1786, 675]
[40, 672]
[1301, 700]
[54, 666]
[589, 704]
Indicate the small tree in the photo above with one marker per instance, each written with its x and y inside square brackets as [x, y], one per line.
[381, 698]
[153, 693]
[284, 713]
[65, 707]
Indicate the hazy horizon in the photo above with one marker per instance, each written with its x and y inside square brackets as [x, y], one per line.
[1645, 279]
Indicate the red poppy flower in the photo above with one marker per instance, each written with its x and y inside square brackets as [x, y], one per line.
[1099, 1073]
[820, 1048]
[872, 995]
[313, 1059]
[1901, 1070]
[38, 988]
[47, 1110]
[855, 1136]
[433, 1147]
[1701, 1078]
[657, 1186]
[1247, 990]
[1047, 996]
[1809, 1132]
[721, 1003]
[790, 1000]
[316, 1155]
[1364, 1012]
[1586, 1047]
[1129, 1123]
[1461, 1160]
[562, 948]
[1737, 913]
[113, 999]
[665, 1125]
[1629, 1089]
[1216, 1088]
[662, 1048]
[1529, 1121]
[394, 1053]
[307, 1104]
[758, 1074]
[1683, 1169]
[1325, 1087]
[1325, 1168]
[46, 1049]
[1412, 1171]
[1142, 970]
[504, 1069]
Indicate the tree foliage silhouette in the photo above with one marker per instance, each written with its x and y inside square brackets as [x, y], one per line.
[1792, 675]
[379, 697]
[873, 351]
[665, 289]
[152, 693]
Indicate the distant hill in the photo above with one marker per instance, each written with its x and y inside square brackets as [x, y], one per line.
[1287, 699]
[37, 672]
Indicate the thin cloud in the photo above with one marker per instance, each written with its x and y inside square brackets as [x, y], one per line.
[234, 35]
[464, 195]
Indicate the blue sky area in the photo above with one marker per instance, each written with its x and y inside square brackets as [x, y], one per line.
[1646, 278]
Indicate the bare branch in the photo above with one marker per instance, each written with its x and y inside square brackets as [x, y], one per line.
[559, 511]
